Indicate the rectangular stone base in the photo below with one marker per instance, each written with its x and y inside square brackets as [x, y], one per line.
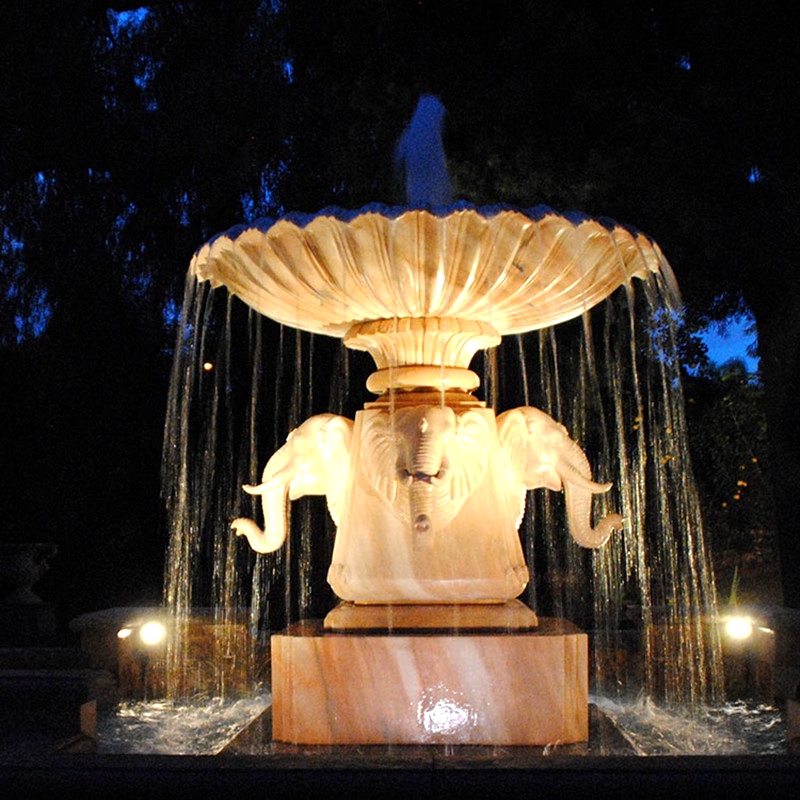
[505, 688]
[391, 619]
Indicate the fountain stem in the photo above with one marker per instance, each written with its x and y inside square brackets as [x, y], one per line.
[423, 352]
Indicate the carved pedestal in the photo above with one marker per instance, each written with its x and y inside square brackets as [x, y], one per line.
[471, 685]
[443, 466]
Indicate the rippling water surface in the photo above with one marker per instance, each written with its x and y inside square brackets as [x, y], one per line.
[161, 726]
[729, 729]
[206, 727]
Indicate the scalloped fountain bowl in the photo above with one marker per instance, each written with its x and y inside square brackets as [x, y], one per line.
[380, 270]
[514, 270]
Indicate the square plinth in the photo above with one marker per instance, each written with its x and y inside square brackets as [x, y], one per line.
[463, 618]
[506, 688]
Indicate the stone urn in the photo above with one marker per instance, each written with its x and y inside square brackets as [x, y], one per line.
[22, 564]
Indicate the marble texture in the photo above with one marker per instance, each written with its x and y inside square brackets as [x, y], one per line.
[426, 487]
[513, 270]
[520, 688]
[453, 477]
[508, 616]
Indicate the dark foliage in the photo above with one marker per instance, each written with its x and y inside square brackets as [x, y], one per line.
[124, 148]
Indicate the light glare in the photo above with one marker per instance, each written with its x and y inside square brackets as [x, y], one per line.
[739, 627]
[152, 633]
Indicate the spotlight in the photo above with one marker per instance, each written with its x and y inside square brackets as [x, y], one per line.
[151, 633]
[124, 633]
[739, 627]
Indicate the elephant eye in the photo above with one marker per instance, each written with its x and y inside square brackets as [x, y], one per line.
[439, 478]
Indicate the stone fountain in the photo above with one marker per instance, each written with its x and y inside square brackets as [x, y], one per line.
[427, 486]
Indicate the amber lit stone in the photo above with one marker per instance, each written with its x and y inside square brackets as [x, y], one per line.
[516, 688]
[512, 615]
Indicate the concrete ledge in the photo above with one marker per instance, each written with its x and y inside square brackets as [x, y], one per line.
[49, 701]
[436, 772]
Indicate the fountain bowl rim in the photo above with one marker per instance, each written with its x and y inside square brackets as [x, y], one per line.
[515, 270]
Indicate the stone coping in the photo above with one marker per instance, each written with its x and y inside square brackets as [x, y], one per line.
[425, 771]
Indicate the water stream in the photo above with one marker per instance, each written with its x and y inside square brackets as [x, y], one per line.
[242, 382]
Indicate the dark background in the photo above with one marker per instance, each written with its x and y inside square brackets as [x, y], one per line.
[128, 140]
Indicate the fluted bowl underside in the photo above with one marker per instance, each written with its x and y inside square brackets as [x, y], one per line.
[515, 270]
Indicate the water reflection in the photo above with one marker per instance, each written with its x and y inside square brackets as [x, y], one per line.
[205, 728]
[734, 728]
[165, 727]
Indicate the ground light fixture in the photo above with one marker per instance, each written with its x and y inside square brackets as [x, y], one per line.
[150, 633]
[739, 627]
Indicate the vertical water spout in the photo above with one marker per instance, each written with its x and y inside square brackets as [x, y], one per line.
[420, 156]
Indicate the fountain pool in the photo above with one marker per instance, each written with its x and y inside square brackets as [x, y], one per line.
[637, 728]
[442, 507]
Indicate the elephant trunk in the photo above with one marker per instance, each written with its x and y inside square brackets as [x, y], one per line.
[275, 506]
[429, 469]
[422, 497]
[579, 517]
[579, 489]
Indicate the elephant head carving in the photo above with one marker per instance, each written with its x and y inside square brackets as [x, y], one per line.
[314, 460]
[424, 461]
[539, 453]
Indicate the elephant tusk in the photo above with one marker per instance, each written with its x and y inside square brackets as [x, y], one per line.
[570, 474]
[281, 478]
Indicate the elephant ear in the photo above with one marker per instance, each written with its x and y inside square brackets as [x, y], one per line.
[513, 435]
[471, 448]
[512, 432]
[530, 440]
[378, 455]
[338, 435]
